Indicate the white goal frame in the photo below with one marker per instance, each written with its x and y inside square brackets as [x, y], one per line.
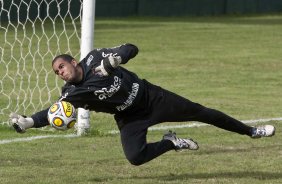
[30, 39]
[87, 40]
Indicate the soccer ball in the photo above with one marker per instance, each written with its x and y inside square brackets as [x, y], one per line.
[62, 115]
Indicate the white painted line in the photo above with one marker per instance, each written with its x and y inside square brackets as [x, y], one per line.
[7, 141]
[261, 120]
[197, 124]
[191, 125]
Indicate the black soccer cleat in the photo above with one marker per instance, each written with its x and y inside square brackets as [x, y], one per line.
[179, 143]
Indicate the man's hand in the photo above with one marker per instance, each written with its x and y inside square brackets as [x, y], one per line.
[108, 65]
[20, 123]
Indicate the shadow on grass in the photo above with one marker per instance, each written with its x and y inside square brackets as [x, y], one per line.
[217, 150]
[254, 174]
[170, 176]
[199, 176]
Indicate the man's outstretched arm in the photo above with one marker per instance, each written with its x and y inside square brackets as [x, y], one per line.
[21, 122]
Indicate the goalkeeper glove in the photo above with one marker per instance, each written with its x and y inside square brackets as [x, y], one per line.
[21, 123]
[108, 65]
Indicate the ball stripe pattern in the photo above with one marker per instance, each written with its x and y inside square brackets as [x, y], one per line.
[54, 108]
[62, 115]
[58, 121]
[68, 110]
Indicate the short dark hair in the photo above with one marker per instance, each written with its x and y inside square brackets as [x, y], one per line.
[65, 57]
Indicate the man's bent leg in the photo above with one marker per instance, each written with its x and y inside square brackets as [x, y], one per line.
[135, 146]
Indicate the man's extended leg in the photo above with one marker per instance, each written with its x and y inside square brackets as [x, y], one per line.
[170, 107]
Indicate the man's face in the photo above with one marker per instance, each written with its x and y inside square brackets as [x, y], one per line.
[65, 70]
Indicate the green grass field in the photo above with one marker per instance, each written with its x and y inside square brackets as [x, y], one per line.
[232, 64]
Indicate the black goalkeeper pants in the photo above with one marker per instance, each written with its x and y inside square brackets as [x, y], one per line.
[159, 105]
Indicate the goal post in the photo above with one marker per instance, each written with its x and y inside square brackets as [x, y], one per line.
[87, 27]
[32, 33]
[87, 40]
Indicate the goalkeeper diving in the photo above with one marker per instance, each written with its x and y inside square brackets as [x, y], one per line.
[99, 83]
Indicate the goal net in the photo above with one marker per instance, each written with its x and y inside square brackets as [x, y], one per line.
[32, 33]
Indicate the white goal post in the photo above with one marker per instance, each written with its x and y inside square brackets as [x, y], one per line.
[32, 33]
[87, 38]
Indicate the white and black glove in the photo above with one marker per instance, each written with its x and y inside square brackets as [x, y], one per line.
[21, 123]
[108, 65]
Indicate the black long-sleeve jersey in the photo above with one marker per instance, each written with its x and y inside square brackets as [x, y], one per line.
[115, 93]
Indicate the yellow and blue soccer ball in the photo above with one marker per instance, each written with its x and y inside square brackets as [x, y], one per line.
[62, 115]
